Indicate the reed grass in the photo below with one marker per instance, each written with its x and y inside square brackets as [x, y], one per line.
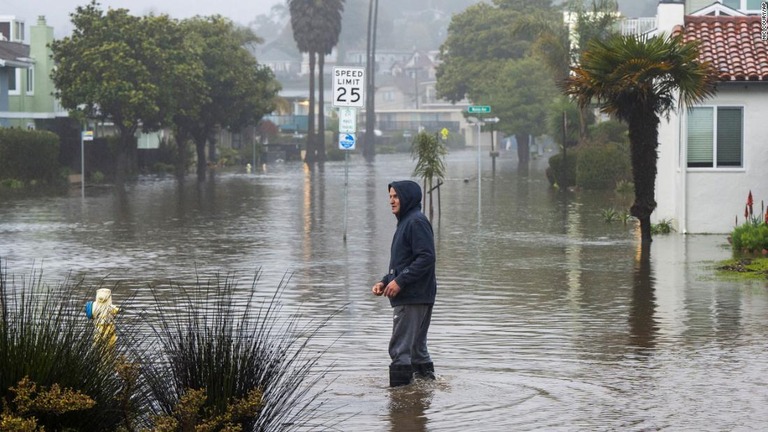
[216, 337]
[207, 355]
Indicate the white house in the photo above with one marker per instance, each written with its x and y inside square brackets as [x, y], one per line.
[711, 156]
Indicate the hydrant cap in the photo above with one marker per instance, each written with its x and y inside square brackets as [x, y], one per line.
[104, 295]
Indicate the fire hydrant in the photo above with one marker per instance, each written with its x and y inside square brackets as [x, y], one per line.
[103, 312]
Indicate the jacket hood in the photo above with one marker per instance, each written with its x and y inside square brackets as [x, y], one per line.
[409, 193]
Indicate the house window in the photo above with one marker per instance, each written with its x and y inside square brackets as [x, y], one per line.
[31, 81]
[743, 5]
[715, 136]
[14, 76]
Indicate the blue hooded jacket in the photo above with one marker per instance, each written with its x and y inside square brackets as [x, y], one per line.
[412, 257]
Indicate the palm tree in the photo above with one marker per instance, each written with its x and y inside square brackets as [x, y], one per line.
[316, 26]
[637, 80]
[305, 33]
[330, 20]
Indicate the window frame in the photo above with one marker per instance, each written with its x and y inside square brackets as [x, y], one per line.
[16, 90]
[743, 5]
[30, 87]
[715, 163]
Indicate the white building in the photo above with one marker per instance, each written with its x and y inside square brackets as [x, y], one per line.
[711, 156]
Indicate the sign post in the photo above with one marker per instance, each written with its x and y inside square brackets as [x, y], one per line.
[479, 109]
[348, 96]
[85, 135]
[347, 120]
[348, 86]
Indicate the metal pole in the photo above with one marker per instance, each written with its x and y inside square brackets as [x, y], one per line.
[493, 152]
[565, 146]
[82, 164]
[479, 169]
[346, 190]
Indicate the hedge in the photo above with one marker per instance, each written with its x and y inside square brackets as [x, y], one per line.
[29, 155]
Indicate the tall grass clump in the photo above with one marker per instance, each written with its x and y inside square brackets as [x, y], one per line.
[52, 375]
[220, 357]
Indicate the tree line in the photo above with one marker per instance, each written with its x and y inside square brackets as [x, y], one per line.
[522, 57]
[147, 73]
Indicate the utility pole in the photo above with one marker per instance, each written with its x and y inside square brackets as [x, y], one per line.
[369, 150]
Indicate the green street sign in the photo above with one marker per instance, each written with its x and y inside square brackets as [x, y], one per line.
[479, 109]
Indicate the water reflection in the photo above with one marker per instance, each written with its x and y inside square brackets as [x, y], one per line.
[408, 407]
[642, 324]
[547, 317]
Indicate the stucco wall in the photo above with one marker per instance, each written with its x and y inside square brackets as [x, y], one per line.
[714, 198]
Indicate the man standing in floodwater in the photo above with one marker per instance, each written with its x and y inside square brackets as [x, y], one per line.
[410, 285]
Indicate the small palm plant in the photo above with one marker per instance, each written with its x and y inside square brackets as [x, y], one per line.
[429, 152]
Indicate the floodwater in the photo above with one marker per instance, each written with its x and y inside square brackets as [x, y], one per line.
[547, 318]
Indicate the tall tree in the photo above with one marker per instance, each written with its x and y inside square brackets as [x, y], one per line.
[316, 26]
[236, 90]
[123, 69]
[478, 38]
[560, 44]
[484, 53]
[518, 95]
[305, 32]
[637, 80]
[330, 20]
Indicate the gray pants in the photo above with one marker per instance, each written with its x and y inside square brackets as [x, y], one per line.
[410, 324]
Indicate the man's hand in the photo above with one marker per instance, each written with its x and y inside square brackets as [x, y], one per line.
[392, 289]
[378, 289]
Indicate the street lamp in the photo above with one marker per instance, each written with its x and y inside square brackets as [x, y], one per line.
[494, 153]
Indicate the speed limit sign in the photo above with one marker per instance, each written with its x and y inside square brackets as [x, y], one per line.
[348, 86]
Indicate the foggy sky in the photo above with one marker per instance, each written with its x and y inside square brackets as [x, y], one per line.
[57, 12]
[242, 12]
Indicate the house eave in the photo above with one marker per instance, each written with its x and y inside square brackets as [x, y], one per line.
[15, 64]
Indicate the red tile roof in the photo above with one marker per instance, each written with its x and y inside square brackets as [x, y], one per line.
[732, 44]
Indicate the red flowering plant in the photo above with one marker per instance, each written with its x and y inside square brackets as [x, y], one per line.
[752, 235]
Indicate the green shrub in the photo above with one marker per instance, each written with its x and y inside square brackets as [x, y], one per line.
[11, 183]
[29, 155]
[663, 227]
[609, 131]
[750, 237]
[562, 173]
[162, 168]
[625, 188]
[609, 215]
[97, 177]
[602, 167]
[334, 153]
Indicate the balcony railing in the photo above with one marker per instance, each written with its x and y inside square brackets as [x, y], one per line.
[637, 26]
